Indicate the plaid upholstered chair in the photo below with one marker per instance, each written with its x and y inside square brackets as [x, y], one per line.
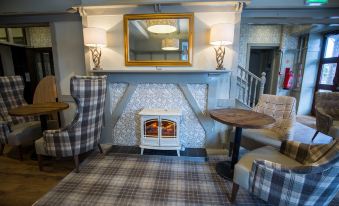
[298, 174]
[15, 130]
[84, 132]
[283, 110]
[327, 111]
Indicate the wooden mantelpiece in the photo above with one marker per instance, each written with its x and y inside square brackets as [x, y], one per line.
[181, 78]
[160, 76]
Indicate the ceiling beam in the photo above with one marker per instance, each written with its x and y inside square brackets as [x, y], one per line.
[144, 2]
[290, 21]
[140, 29]
[292, 13]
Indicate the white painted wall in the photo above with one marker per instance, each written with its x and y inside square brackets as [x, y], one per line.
[7, 61]
[203, 53]
[68, 58]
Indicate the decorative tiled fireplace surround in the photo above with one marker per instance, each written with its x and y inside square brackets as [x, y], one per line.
[130, 92]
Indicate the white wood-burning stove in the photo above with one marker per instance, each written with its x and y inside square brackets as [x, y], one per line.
[160, 129]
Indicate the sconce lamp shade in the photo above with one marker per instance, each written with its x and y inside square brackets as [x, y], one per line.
[95, 37]
[222, 34]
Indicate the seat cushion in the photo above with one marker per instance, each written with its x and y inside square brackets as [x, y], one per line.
[24, 133]
[40, 147]
[243, 167]
[256, 138]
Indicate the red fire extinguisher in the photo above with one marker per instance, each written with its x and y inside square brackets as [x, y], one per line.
[288, 80]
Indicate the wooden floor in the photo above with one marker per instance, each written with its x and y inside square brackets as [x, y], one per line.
[21, 182]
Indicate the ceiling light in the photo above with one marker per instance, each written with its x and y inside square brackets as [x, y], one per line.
[162, 26]
[170, 44]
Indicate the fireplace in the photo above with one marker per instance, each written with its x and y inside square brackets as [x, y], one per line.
[160, 129]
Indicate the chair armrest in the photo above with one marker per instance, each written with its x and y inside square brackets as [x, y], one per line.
[323, 121]
[305, 153]
[294, 150]
[4, 130]
[268, 180]
[57, 143]
[276, 167]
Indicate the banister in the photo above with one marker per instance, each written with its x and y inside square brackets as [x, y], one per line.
[247, 86]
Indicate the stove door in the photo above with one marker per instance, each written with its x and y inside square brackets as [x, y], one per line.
[150, 130]
[169, 131]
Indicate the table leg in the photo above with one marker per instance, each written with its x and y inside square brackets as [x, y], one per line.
[43, 122]
[236, 146]
[225, 168]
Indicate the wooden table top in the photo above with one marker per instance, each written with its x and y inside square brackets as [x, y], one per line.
[38, 109]
[242, 118]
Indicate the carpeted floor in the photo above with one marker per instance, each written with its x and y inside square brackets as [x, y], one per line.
[131, 179]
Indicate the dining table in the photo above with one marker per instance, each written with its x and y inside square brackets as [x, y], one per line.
[238, 118]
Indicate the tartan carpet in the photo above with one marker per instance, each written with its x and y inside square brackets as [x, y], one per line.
[129, 179]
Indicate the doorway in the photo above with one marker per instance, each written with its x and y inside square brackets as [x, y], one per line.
[26, 51]
[265, 59]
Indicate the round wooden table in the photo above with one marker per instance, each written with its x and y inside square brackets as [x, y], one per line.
[238, 118]
[41, 109]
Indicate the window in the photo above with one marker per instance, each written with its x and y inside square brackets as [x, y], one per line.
[3, 34]
[18, 35]
[332, 46]
[328, 77]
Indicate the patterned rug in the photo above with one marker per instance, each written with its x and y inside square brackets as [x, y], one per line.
[129, 179]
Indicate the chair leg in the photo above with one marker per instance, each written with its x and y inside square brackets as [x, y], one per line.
[2, 147]
[76, 162]
[100, 148]
[40, 162]
[20, 153]
[235, 188]
[315, 135]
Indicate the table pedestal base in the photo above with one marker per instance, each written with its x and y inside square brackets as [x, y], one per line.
[224, 170]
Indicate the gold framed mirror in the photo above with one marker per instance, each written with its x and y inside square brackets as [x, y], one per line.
[158, 39]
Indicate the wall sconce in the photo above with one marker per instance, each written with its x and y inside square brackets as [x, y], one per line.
[220, 36]
[95, 39]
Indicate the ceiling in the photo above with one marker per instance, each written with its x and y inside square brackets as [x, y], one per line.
[255, 11]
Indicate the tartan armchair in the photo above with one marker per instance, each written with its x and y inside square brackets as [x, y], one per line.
[84, 132]
[15, 130]
[300, 174]
[327, 111]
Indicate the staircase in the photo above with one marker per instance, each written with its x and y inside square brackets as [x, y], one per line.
[249, 87]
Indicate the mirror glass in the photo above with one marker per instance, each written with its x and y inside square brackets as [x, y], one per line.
[158, 41]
